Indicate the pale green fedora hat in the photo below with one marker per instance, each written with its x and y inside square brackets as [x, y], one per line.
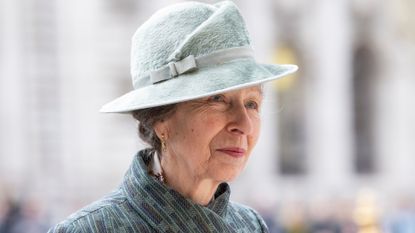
[192, 50]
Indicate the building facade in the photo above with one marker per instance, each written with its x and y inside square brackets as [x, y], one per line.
[342, 124]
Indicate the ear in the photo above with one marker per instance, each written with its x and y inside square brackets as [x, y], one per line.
[160, 127]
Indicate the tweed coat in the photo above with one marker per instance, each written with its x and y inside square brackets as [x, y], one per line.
[144, 204]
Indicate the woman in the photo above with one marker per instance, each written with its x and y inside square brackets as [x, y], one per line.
[197, 96]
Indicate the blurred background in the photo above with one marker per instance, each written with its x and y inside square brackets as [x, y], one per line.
[337, 147]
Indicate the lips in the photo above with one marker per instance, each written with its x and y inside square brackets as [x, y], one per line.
[235, 152]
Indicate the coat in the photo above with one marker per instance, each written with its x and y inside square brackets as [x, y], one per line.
[144, 204]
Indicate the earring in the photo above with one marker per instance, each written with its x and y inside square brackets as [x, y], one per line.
[163, 143]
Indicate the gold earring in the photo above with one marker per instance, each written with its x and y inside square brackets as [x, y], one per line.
[163, 143]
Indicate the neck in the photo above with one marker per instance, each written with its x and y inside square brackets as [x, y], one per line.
[199, 190]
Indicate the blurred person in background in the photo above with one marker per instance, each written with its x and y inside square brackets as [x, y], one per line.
[10, 214]
[197, 97]
[402, 220]
[21, 216]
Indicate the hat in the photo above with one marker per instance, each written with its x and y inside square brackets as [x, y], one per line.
[192, 50]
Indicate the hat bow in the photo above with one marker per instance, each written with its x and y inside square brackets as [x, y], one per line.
[190, 63]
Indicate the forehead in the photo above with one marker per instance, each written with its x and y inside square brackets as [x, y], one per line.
[255, 90]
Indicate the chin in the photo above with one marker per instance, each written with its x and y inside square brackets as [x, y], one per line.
[226, 176]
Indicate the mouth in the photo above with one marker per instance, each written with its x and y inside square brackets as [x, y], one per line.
[235, 152]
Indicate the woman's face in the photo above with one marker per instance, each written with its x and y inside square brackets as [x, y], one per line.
[213, 137]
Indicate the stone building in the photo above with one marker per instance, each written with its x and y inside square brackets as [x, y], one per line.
[342, 124]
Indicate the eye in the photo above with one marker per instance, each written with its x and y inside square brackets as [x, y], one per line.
[217, 98]
[252, 105]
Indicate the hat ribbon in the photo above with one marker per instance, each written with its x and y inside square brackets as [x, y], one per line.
[190, 63]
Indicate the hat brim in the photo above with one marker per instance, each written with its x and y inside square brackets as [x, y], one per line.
[203, 82]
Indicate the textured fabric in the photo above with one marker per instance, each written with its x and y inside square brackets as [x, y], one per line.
[190, 63]
[143, 204]
[190, 29]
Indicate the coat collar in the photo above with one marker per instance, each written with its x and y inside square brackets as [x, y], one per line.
[167, 210]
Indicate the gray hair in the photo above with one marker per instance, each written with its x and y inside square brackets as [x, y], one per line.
[147, 118]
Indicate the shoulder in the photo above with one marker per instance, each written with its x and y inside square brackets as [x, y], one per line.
[244, 210]
[247, 216]
[112, 213]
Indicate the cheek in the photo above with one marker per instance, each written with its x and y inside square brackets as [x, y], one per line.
[205, 127]
[258, 128]
[255, 132]
[196, 135]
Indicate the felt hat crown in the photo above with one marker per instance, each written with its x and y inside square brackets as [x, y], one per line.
[192, 50]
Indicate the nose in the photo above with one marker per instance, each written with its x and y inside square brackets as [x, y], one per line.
[240, 122]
